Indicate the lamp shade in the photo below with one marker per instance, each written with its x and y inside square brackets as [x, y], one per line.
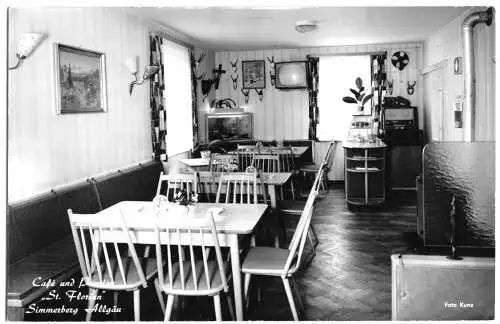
[150, 70]
[27, 43]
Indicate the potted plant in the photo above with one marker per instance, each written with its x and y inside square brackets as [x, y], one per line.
[360, 97]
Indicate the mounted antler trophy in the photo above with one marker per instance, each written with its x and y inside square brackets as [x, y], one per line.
[261, 94]
[411, 88]
[206, 85]
[272, 71]
[234, 74]
[390, 88]
[246, 93]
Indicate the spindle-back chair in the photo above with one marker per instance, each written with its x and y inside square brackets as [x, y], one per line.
[190, 273]
[106, 262]
[223, 162]
[269, 261]
[266, 162]
[175, 182]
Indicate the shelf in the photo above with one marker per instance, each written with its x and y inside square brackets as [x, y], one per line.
[362, 158]
[364, 170]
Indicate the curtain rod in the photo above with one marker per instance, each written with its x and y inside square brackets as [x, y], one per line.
[348, 54]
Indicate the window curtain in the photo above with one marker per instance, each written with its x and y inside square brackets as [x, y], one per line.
[338, 74]
[157, 86]
[313, 97]
[194, 93]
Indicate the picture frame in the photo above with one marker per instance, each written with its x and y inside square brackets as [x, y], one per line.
[80, 80]
[253, 74]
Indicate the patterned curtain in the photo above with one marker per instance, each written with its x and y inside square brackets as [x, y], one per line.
[157, 87]
[194, 93]
[313, 97]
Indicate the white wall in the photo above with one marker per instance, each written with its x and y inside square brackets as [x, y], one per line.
[446, 44]
[47, 150]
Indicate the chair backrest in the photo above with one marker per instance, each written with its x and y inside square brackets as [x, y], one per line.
[297, 244]
[330, 153]
[223, 162]
[245, 159]
[266, 162]
[189, 269]
[286, 158]
[239, 188]
[98, 243]
[177, 181]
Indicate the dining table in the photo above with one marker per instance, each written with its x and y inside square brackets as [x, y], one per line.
[141, 217]
[297, 151]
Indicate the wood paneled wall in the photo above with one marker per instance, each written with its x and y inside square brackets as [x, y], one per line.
[446, 44]
[48, 150]
[285, 114]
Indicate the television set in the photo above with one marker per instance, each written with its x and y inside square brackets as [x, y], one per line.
[291, 75]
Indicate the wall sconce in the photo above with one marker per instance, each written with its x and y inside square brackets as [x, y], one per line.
[149, 72]
[26, 43]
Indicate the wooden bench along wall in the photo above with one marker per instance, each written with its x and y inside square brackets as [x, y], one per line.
[39, 242]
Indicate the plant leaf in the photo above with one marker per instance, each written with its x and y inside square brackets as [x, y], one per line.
[359, 82]
[355, 93]
[367, 98]
[361, 96]
[349, 100]
[362, 89]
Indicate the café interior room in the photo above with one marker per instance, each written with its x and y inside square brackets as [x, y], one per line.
[250, 163]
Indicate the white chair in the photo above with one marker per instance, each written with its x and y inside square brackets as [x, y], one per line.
[240, 187]
[266, 163]
[105, 265]
[190, 273]
[177, 181]
[310, 169]
[283, 263]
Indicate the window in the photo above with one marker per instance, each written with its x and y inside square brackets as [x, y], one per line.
[337, 74]
[178, 100]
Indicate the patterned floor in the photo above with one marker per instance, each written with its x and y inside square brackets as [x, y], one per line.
[348, 279]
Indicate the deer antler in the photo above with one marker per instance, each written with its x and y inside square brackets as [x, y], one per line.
[234, 65]
[199, 77]
[270, 60]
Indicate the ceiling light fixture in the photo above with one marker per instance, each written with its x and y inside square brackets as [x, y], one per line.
[305, 26]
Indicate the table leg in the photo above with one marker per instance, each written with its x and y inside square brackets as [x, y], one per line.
[235, 266]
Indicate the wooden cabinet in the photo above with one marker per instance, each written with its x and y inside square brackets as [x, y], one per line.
[364, 169]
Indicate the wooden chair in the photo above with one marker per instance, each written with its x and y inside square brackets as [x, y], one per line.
[190, 273]
[104, 262]
[174, 182]
[296, 207]
[240, 187]
[287, 164]
[311, 169]
[245, 158]
[223, 162]
[247, 148]
[266, 163]
[269, 261]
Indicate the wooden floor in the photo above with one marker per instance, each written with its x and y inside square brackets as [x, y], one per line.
[348, 279]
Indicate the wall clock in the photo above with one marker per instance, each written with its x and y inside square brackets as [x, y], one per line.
[400, 60]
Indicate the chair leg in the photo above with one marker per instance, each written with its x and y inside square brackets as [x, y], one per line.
[115, 303]
[160, 295]
[168, 310]
[137, 305]
[217, 307]
[230, 306]
[289, 295]
[92, 299]
[297, 294]
[314, 235]
[246, 285]
[293, 189]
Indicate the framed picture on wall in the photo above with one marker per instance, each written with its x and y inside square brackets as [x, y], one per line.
[80, 80]
[254, 74]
